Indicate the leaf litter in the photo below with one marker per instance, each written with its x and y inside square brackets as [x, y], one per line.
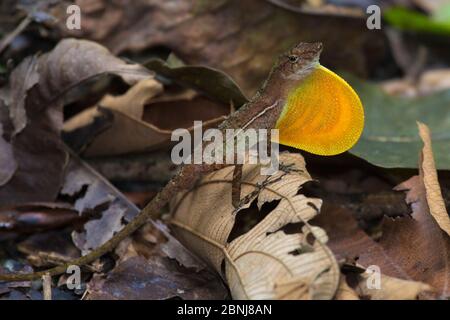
[287, 239]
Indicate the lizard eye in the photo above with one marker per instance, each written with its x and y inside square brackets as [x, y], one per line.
[293, 58]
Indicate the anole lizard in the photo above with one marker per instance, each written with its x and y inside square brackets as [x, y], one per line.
[313, 108]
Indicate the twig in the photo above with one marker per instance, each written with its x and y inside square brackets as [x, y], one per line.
[47, 286]
[5, 42]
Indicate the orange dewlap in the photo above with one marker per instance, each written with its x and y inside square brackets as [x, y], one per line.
[323, 115]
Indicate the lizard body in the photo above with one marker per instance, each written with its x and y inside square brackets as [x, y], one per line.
[261, 112]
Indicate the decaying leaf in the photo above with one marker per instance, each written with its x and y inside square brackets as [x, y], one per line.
[100, 196]
[73, 61]
[48, 249]
[266, 262]
[8, 164]
[23, 78]
[409, 248]
[349, 242]
[168, 269]
[366, 286]
[154, 279]
[34, 102]
[142, 120]
[427, 230]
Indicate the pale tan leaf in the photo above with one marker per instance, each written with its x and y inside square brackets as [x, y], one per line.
[127, 131]
[144, 119]
[430, 180]
[266, 262]
[390, 288]
[131, 103]
[345, 292]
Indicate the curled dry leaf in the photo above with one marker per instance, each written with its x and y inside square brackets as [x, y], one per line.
[267, 262]
[429, 176]
[390, 288]
[142, 121]
[34, 99]
[364, 285]
[127, 131]
[425, 236]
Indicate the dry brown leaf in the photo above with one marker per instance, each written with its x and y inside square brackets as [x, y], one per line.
[127, 131]
[142, 121]
[422, 241]
[433, 192]
[395, 257]
[345, 292]
[34, 100]
[154, 279]
[8, 164]
[99, 196]
[266, 262]
[131, 103]
[34, 217]
[390, 288]
[73, 61]
[235, 40]
[23, 78]
[349, 242]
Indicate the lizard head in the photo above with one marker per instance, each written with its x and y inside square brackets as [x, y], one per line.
[321, 112]
[298, 61]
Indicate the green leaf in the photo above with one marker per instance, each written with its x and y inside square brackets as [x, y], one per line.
[390, 137]
[409, 20]
[442, 14]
